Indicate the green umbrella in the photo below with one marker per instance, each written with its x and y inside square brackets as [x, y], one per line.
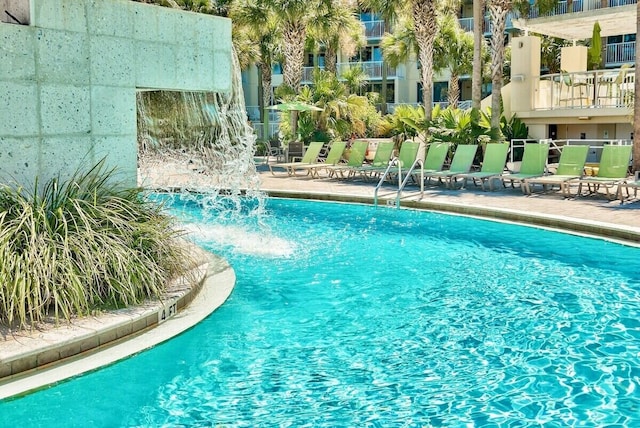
[594, 52]
[294, 107]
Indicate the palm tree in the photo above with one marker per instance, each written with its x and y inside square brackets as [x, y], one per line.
[453, 50]
[337, 28]
[636, 104]
[259, 28]
[293, 18]
[498, 10]
[478, 38]
[422, 15]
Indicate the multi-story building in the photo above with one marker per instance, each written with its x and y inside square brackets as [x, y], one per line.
[577, 103]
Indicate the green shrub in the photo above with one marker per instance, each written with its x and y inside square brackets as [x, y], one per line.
[82, 244]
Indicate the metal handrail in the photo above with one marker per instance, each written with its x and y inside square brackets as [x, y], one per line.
[406, 179]
[382, 177]
[401, 182]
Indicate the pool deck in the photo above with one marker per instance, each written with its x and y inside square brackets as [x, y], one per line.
[594, 215]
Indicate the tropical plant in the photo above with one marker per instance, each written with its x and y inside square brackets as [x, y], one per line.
[636, 104]
[421, 14]
[458, 126]
[478, 39]
[550, 52]
[256, 28]
[293, 18]
[336, 28]
[453, 50]
[355, 79]
[343, 114]
[406, 122]
[82, 244]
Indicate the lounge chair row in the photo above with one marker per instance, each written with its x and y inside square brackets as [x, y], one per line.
[612, 171]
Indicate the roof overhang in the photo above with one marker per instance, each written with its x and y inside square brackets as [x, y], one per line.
[579, 26]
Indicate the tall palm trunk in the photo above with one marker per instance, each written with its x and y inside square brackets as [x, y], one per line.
[498, 10]
[265, 78]
[331, 60]
[424, 16]
[294, 34]
[476, 77]
[636, 104]
[453, 95]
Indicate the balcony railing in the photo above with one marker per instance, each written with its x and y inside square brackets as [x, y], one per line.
[373, 69]
[374, 29]
[586, 90]
[307, 74]
[564, 7]
[620, 53]
[467, 23]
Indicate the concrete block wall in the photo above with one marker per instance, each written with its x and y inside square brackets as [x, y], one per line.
[68, 81]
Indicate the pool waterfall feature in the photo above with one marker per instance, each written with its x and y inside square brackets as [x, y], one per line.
[198, 142]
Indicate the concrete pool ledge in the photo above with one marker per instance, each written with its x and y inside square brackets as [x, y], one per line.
[31, 360]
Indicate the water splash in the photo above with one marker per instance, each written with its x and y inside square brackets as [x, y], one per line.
[242, 240]
[199, 142]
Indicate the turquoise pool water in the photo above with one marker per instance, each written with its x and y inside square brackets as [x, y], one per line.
[345, 315]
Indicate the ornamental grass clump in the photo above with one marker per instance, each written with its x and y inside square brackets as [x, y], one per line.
[79, 245]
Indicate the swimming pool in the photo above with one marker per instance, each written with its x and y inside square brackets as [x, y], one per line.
[344, 315]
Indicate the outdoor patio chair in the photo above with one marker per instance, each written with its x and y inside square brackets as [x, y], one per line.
[633, 183]
[461, 163]
[534, 163]
[405, 163]
[357, 153]
[334, 156]
[493, 164]
[310, 157]
[570, 167]
[381, 159]
[612, 171]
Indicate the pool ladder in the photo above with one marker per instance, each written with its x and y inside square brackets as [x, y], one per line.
[393, 165]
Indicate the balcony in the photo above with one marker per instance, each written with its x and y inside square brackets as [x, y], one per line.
[373, 69]
[374, 29]
[307, 74]
[620, 53]
[574, 20]
[586, 90]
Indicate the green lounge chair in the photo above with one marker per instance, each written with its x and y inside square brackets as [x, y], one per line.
[633, 183]
[493, 163]
[570, 167]
[333, 158]
[380, 161]
[356, 158]
[534, 163]
[310, 157]
[612, 171]
[406, 160]
[461, 163]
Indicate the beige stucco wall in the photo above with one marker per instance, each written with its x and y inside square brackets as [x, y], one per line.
[68, 81]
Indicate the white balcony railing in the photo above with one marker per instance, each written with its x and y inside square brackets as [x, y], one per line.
[374, 29]
[620, 53]
[564, 7]
[373, 69]
[585, 90]
[307, 74]
[466, 24]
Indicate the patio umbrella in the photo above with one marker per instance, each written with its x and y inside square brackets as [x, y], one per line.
[294, 107]
[594, 52]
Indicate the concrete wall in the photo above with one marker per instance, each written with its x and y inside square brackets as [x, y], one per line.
[68, 81]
